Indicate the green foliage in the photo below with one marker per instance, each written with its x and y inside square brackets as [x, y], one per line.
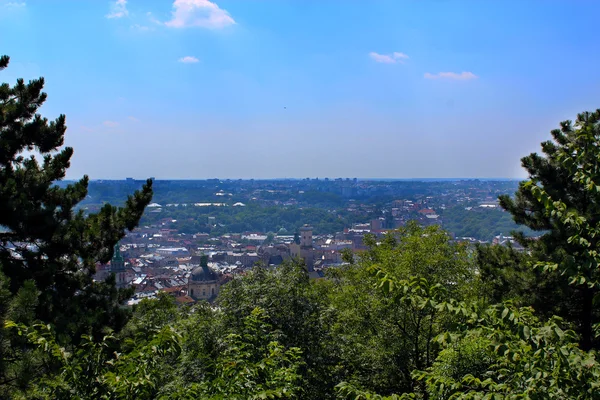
[349, 391]
[251, 365]
[45, 241]
[48, 249]
[562, 198]
[254, 217]
[19, 363]
[297, 310]
[387, 306]
[494, 352]
[424, 252]
[507, 352]
[506, 273]
[94, 371]
[479, 223]
[153, 314]
[510, 275]
[470, 355]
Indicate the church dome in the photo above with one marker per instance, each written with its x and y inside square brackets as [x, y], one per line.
[203, 274]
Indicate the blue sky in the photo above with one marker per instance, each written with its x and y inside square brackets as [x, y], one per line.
[306, 88]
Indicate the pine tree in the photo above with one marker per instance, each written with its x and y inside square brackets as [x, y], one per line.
[44, 237]
[560, 200]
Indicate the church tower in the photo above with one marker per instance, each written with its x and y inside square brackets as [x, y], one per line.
[305, 249]
[306, 239]
[117, 267]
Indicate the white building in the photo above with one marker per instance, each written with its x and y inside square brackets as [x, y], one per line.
[173, 251]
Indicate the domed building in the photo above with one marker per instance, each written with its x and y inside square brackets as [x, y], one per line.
[203, 283]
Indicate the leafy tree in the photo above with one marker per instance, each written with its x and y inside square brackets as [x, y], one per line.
[386, 306]
[296, 308]
[95, 371]
[482, 224]
[561, 199]
[500, 351]
[45, 241]
[508, 275]
[507, 352]
[424, 252]
[149, 315]
[18, 363]
[504, 271]
[254, 217]
[252, 364]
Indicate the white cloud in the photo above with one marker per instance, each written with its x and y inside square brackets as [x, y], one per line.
[134, 119]
[399, 56]
[202, 13]
[141, 28]
[118, 9]
[395, 57]
[15, 4]
[110, 124]
[188, 60]
[463, 76]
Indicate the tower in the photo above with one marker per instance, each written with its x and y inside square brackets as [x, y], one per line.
[306, 240]
[305, 250]
[117, 267]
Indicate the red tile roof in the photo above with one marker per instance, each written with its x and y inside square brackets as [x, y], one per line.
[173, 289]
[184, 299]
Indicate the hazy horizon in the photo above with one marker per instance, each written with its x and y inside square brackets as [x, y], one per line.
[193, 89]
[331, 179]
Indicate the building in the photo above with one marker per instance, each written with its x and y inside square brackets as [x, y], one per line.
[306, 239]
[117, 267]
[274, 254]
[377, 224]
[172, 251]
[305, 249]
[245, 259]
[203, 283]
[507, 241]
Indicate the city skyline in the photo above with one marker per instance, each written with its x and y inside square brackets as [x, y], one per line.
[194, 89]
[344, 178]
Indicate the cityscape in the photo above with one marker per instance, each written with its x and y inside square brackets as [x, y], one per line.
[205, 224]
[299, 200]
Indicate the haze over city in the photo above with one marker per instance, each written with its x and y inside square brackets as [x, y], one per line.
[191, 89]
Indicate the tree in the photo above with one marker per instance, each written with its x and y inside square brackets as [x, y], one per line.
[506, 352]
[294, 307]
[495, 352]
[386, 305]
[561, 200]
[46, 240]
[252, 364]
[508, 275]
